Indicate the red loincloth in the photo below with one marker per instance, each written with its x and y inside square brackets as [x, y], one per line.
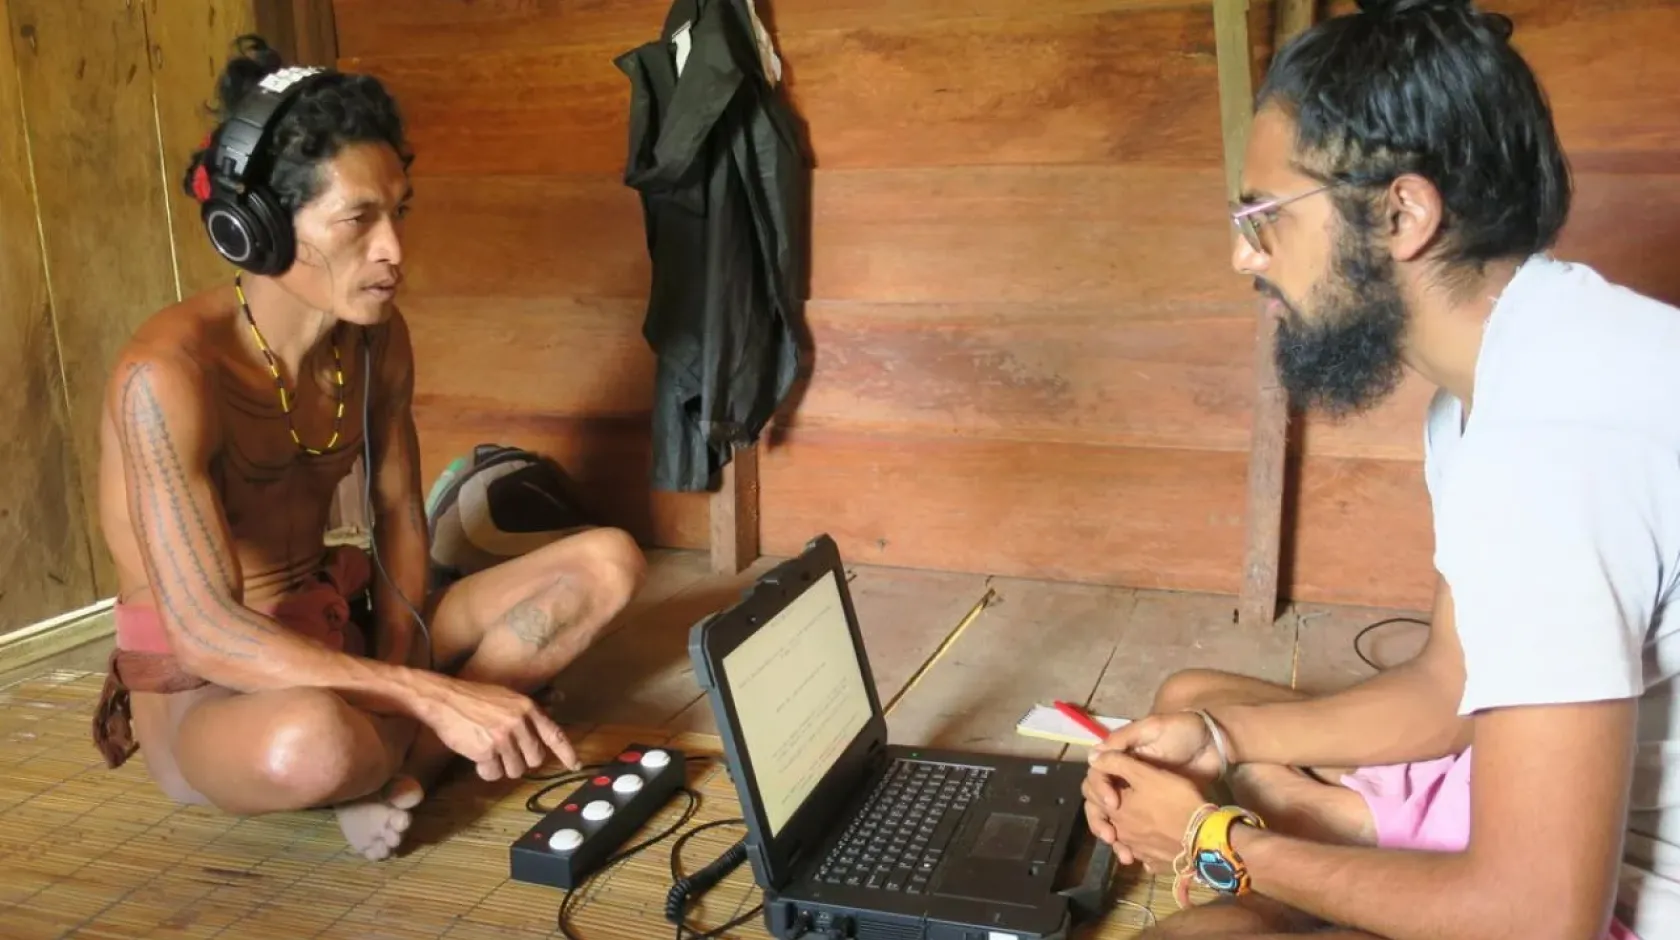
[143, 660]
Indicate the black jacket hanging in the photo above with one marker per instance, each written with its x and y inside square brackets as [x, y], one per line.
[723, 180]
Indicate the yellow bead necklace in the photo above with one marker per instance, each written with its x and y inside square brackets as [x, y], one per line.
[280, 383]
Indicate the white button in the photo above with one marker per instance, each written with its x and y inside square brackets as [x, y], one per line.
[628, 783]
[655, 759]
[597, 810]
[565, 840]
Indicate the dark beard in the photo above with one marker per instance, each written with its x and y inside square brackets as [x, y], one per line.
[1348, 358]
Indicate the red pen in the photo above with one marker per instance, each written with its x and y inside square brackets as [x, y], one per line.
[1085, 721]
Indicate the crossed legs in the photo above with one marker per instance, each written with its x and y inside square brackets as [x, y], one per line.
[1293, 801]
[516, 625]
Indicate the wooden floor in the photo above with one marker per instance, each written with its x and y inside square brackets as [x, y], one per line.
[86, 852]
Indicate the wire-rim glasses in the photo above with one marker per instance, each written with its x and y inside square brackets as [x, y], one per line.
[1246, 217]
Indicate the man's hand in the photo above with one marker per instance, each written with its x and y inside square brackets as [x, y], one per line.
[1177, 740]
[1151, 816]
[503, 732]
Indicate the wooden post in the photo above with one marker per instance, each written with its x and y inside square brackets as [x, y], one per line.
[1269, 438]
[734, 535]
[303, 31]
[1293, 18]
[1236, 84]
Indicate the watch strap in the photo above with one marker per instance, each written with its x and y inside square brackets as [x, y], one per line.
[1215, 863]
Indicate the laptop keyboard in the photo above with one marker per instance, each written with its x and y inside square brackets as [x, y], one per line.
[899, 837]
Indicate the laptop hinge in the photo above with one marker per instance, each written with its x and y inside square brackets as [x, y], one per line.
[795, 857]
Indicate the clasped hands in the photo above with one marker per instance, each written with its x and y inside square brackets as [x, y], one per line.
[1146, 781]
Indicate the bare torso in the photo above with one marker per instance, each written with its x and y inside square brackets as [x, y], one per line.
[277, 499]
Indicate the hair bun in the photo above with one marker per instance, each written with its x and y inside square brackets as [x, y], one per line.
[254, 59]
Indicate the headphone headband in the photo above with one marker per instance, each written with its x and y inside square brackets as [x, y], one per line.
[242, 143]
[245, 220]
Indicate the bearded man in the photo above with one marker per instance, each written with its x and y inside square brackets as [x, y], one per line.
[1404, 185]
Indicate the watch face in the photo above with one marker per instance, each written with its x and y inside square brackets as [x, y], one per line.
[1215, 871]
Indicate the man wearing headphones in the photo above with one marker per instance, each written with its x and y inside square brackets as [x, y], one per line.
[229, 421]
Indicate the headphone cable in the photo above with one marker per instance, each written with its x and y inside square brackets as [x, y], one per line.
[1360, 652]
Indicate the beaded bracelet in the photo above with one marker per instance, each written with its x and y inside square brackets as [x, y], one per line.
[1183, 869]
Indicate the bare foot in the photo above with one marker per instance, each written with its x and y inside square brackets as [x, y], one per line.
[374, 826]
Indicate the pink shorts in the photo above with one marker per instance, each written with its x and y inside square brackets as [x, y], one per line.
[1426, 806]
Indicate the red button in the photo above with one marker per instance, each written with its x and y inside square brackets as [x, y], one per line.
[601, 781]
[629, 757]
[571, 807]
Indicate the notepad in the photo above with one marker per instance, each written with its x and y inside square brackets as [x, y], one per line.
[1046, 721]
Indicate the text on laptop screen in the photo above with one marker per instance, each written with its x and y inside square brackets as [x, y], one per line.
[799, 696]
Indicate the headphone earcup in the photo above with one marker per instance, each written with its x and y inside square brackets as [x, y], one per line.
[250, 230]
[276, 225]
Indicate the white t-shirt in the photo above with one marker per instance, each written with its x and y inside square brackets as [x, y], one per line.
[1557, 529]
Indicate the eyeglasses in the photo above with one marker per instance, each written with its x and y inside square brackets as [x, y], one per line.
[1245, 217]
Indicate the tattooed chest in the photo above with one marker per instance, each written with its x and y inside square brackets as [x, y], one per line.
[260, 480]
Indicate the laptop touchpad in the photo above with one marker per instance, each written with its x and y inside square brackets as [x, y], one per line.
[998, 862]
[1005, 836]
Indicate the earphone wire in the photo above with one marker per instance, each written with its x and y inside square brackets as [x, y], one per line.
[367, 491]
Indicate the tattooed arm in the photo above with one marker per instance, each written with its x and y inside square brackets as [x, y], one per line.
[399, 517]
[168, 432]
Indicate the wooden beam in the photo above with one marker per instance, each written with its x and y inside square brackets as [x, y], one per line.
[1257, 604]
[1268, 448]
[1236, 84]
[734, 535]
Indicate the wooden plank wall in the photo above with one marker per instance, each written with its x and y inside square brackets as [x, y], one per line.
[43, 541]
[1032, 356]
[99, 105]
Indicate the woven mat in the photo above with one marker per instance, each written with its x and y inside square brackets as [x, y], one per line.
[88, 852]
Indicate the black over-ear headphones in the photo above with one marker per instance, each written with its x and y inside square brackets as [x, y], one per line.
[247, 224]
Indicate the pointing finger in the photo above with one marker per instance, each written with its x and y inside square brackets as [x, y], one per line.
[557, 742]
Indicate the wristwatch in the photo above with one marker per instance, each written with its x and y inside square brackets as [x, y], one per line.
[1217, 865]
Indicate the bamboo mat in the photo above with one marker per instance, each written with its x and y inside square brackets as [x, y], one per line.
[89, 852]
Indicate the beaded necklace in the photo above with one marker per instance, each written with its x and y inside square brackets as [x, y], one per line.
[280, 383]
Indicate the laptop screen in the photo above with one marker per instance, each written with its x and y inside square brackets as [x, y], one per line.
[799, 695]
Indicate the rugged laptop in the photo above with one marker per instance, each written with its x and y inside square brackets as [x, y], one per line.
[850, 836]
